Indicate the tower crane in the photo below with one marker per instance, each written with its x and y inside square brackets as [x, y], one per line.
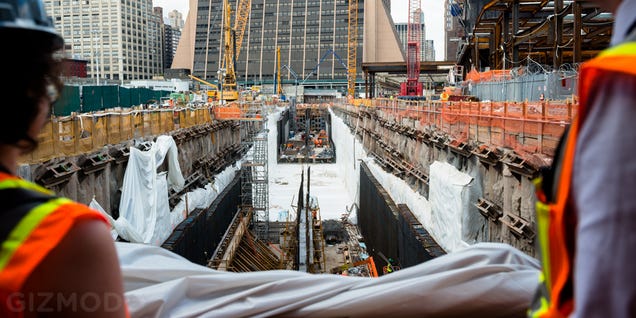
[232, 42]
[413, 87]
[352, 50]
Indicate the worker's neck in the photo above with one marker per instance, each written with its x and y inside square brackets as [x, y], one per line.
[9, 156]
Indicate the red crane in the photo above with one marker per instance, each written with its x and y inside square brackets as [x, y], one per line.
[413, 87]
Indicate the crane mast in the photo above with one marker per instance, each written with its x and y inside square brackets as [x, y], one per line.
[352, 51]
[232, 42]
[413, 87]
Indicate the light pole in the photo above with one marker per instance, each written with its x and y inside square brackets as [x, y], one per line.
[96, 52]
[221, 74]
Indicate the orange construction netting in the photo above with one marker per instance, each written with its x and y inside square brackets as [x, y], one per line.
[528, 127]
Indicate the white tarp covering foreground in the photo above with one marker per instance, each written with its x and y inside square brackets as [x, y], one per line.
[483, 280]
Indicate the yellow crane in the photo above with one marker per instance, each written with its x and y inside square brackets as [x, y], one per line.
[232, 42]
[352, 51]
[279, 87]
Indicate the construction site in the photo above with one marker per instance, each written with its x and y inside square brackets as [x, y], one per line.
[294, 196]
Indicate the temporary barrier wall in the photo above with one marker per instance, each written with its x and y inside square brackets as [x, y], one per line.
[390, 229]
[91, 98]
[197, 237]
[77, 134]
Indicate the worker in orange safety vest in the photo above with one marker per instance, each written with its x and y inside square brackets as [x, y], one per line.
[56, 256]
[586, 208]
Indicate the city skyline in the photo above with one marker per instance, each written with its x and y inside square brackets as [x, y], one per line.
[433, 15]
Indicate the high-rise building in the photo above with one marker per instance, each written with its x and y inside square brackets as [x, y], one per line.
[171, 41]
[429, 50]
[305, 30]
[120, 39]
[402, 31]
[454, 30]
[175, 19]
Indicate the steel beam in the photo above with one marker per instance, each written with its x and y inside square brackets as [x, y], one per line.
[558, 32]
[578, 12]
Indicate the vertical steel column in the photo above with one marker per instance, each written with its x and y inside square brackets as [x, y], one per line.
[507, 37]
[515, 30]
[366, 83]
[498, 58]
[476, 55]
[558, 34]
[578, 23]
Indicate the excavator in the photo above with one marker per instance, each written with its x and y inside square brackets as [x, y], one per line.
[213, 91]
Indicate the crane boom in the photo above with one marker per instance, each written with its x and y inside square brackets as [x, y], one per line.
[203, 81]
[240, 22]
[213, 93]
[292, 72]
[324, 56]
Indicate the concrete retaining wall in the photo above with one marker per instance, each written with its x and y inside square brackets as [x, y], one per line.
[510, 192]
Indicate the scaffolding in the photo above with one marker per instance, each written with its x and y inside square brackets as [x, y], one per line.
[255, 183]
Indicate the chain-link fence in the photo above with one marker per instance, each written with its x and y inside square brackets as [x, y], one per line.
[528, 83]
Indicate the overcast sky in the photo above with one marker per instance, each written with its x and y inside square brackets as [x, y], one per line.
[433, 17]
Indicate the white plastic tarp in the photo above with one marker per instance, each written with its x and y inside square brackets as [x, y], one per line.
[144, 199]
[483, 280]
[166, 221]
[449, 197]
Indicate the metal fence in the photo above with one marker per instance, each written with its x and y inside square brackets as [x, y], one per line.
[528, 84]
[91, 98]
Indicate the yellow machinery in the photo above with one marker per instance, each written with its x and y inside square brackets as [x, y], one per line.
[213, 92]
[232, 41]
[352, 52]
[279, 87]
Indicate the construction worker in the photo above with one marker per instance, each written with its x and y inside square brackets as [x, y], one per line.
[586, 205]
[56, 256]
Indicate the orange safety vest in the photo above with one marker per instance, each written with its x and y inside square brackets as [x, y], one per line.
[555, 216]
[33, 222]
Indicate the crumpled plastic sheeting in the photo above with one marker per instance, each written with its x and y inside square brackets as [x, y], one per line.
[449, 198]
[145, 192]
[200, 198]
[483, 280]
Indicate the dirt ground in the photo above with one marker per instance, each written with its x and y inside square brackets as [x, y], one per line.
[334, 256]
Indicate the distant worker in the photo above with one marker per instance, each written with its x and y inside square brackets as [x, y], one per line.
[57, 256]
[586, 210]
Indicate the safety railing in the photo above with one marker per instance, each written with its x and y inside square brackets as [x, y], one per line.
[527, 127]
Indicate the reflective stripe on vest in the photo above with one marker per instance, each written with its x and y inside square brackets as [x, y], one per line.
[550, 300]
[42, 220]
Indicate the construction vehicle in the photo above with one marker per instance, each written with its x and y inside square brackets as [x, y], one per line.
[212, 92]
[368, 262]
[232, 42]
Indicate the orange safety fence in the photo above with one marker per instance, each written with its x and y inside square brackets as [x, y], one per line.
[229, 112]
[488, 76]
[84, 133]
[528, 127]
